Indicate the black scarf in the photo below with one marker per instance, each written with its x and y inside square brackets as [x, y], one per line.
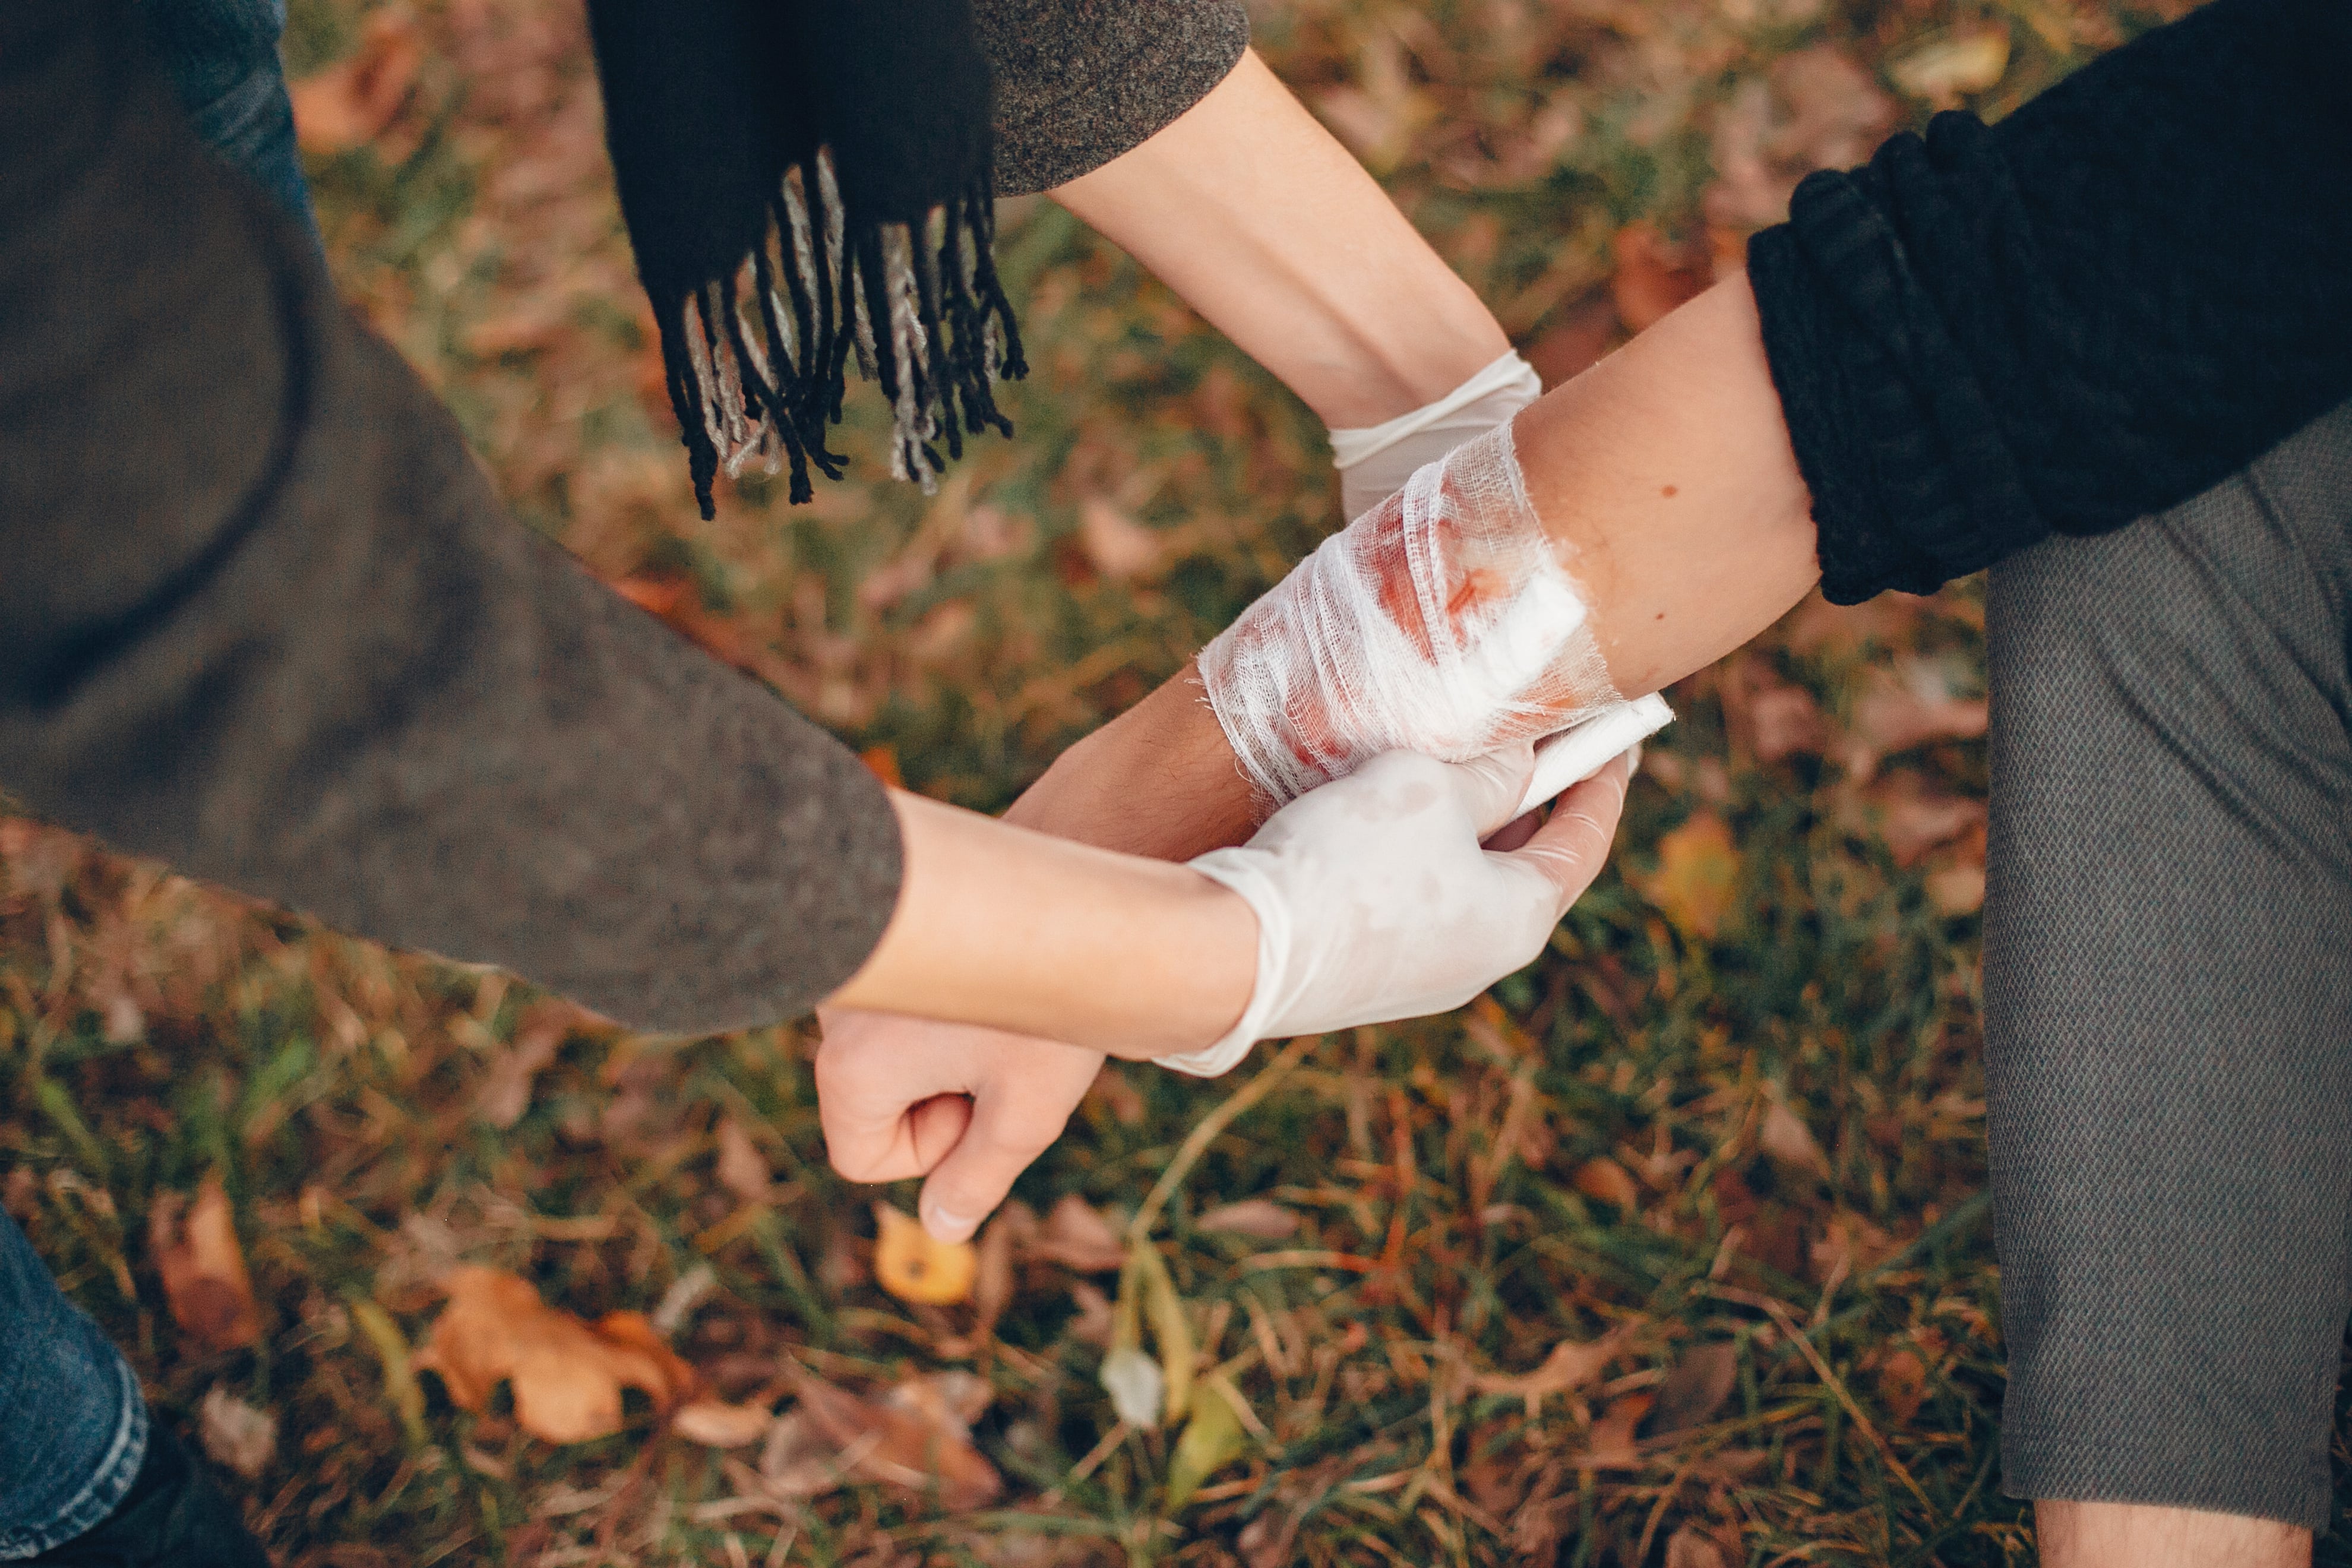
[803, 179]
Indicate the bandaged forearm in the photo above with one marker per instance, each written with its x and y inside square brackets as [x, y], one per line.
[1444, 621]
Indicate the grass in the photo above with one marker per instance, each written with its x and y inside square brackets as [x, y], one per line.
[1734, 1117]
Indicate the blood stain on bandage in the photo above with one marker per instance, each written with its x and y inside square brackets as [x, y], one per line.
[1441, 621]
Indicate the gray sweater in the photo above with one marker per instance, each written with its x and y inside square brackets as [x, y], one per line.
[262, 617]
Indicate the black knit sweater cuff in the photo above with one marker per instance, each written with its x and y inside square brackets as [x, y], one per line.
[1912, 483]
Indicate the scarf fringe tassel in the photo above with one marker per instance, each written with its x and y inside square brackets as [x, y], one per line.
[758, 378]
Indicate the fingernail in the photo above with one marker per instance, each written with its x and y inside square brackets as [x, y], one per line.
[946, 1225]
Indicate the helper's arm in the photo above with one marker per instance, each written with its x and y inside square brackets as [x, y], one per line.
[1247, 207]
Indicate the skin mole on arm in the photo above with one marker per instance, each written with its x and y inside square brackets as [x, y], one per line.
[1667, 491]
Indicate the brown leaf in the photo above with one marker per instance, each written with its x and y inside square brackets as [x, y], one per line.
[1897, 712]
[235, 1435]
[204, 1279]
[1612, 1444]
[539, 1035]
[1078, 1239]
[1903, 1384]
[567, 1375]
[1775, 719]
[350, 103]
[1694, 1390]
[1697, 879]
[1603, 1178]
[915, 1267]
[1262, 1219]
[1121, 549]
[993, 1282]
[1785, 1137]
[1569, 1367]
[1690, 1547]
[916, 1436]
[1653, 278]
[1093, 1325]
[742, 1169]
[1816, 109]
[717, 1425]
[1913, 820]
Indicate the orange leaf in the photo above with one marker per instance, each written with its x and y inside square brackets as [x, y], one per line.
[1698, 878]
[716, 1424]
[204, 1280]
[1605, 1179]
[1903, 1384]
[914, 1266]
[918, 1436]
[351, 103]
[1653, 278]
[567, 1375]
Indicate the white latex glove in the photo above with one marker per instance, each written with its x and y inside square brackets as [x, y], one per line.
[1375, 462]
[1375, 899]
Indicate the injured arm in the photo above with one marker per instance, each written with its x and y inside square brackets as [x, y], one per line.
[1658, 522]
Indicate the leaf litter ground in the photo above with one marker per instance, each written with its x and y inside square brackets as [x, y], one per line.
[1673, 1249]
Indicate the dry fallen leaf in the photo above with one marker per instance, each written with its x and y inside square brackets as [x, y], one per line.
[1903, 1384]
[1914, 818]
[1612, 1445]
[1078, 1239]
[567, 1375]
[1653, 278]
[1697, 879]
[1816, 109]
[1117, 546]
[1785, 1137]
[539, 1035]
[1569, 1367]
[1603, 1178]
[237, 1436]
[742, 1169]
[1912, 708]
[350, 103]
[1261, 1219]
[1949, 69]
[918, 1436]
[1689, 1547]
[204, 1279]
[716, 1424]
[1694, 1390]
[915, 1267]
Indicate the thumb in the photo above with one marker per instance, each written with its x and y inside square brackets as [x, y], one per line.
[1490, 787]
[1008, 1129]
[1571, 847]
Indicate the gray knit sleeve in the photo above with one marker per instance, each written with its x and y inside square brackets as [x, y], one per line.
[1079, 83]
[263, 617]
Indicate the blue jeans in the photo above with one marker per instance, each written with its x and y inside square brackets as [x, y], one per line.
[73, 1427]
[73, 1424]
[222, 58]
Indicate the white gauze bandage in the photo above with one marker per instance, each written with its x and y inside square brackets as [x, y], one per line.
[1375, 461]
[1443, 621]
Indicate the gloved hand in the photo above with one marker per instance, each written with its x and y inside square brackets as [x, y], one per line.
[1375, 899]
[1375, 462]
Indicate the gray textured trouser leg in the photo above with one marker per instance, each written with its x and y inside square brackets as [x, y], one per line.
[2168, 993]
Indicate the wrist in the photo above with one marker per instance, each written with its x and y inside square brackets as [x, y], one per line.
[1158, 780]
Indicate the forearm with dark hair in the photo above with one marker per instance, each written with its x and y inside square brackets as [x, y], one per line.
[2103, 304]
